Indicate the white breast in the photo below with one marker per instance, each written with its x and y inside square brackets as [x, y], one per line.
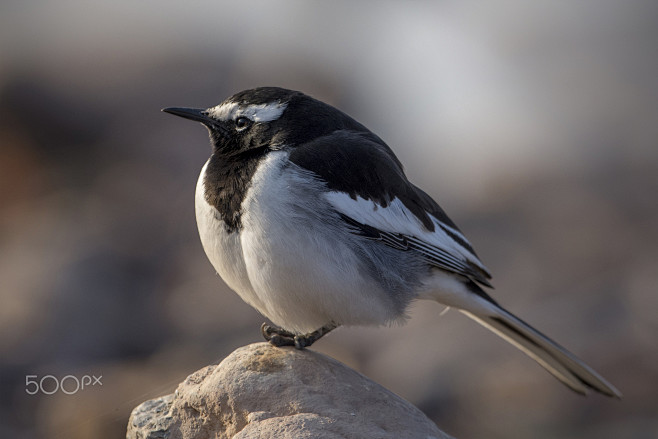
[292, 259]
[224, 250]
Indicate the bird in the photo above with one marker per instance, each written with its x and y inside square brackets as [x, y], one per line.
[310, 218]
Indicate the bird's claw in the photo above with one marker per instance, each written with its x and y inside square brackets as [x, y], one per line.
[280, 337]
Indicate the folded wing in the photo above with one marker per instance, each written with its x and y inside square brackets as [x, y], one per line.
[368, 189]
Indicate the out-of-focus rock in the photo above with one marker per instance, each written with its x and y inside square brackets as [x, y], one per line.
[260, 391]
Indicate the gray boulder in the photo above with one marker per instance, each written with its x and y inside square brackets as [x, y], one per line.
[260, 391]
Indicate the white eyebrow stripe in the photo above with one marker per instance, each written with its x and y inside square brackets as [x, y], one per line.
[257, 113]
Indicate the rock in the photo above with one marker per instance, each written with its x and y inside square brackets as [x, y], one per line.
[260, 391]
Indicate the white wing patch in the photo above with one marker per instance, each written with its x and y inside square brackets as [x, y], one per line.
[396, 218]
[257, 113]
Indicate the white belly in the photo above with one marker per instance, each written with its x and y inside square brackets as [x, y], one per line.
[288, 261]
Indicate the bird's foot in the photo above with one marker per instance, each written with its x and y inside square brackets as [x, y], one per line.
[277, 336]
[280, 337]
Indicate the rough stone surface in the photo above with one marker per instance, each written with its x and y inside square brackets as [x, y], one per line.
[260, 391]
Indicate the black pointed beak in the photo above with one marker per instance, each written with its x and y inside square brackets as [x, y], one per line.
[192, 114]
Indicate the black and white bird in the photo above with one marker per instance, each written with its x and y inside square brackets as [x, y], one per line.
[309, 217]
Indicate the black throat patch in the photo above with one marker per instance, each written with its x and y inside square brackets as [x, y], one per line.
[227, 179]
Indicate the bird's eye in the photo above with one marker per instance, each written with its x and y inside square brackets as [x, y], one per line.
[242, 122]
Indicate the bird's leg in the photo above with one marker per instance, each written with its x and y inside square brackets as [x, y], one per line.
[280, 337]
[306, 340]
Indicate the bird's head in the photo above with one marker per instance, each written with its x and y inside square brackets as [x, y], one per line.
[267, 117]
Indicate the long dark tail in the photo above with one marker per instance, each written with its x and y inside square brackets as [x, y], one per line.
[561, 363]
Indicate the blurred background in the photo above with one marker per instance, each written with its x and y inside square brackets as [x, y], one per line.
[535, 125]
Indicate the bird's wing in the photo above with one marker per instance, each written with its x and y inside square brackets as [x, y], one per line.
[367, 187]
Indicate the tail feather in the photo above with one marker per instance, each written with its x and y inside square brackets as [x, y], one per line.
[561, 363]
